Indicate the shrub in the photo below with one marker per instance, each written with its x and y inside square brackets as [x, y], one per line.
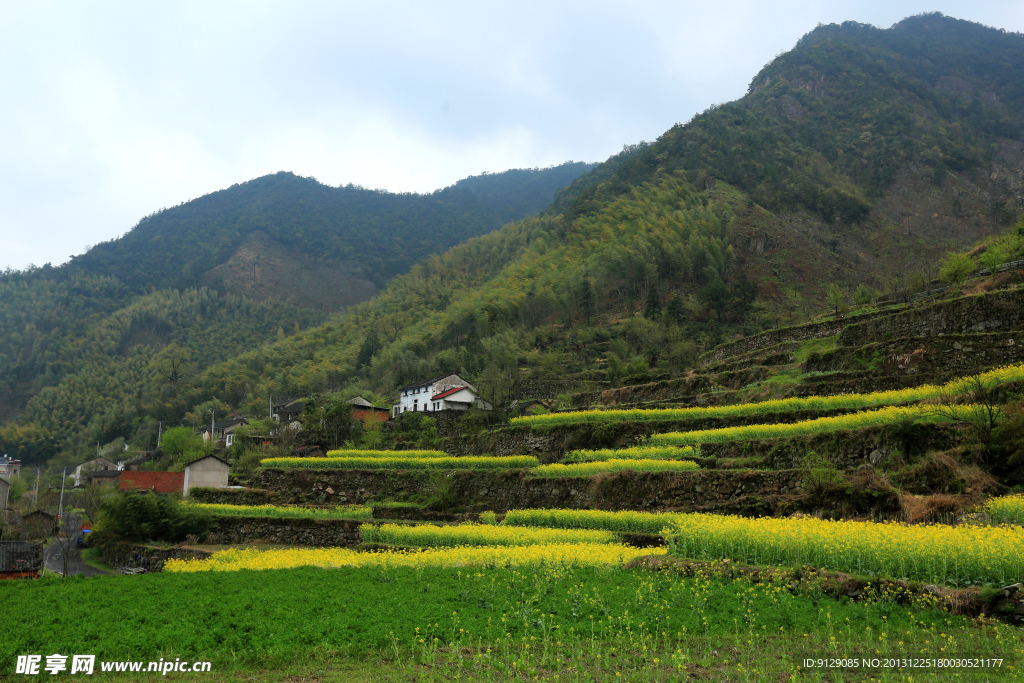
[139, 517]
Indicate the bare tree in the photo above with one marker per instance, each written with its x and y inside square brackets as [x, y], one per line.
[67, 531]
[974, 403]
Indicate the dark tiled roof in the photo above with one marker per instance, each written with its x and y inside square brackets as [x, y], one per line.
[21, 557]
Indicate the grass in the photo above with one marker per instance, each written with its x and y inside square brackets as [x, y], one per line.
[90, 556]
[821, 345]
[557, 623]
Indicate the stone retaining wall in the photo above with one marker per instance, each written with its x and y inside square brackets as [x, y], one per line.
[551, 444]
[788, 334]
[955, 354]
[847, 450]
[733, 491]
[125, 555]
[324, 533]
[995, 312]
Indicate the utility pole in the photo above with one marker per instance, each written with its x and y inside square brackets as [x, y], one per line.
[213, 416]
[159, 433]
[60, 505]
[37, 488]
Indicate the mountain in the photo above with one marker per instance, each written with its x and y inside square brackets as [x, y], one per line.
[888, 141]
[302, 248]
[291, 238]
[857, 159]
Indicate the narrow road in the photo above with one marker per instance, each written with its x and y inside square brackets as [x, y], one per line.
[54, 561]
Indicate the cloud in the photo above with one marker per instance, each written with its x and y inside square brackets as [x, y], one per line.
[112, 110]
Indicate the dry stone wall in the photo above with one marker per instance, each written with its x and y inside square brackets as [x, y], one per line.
[789, 334]
[732, 491]
[955, 354]
[847, 450]
[328, 533]
[986, 313]
[551, 444]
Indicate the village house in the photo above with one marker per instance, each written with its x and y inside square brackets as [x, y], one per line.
[9, 467]
[288, 413]
[157, 482]
[209, 471]
[5, 490]
[97, 463]
[448, 392]
[365, 412]
[223, 431]
[20, 560]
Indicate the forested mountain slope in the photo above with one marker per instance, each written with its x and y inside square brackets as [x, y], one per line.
[372, 235]
[877, 143]
[277, 238]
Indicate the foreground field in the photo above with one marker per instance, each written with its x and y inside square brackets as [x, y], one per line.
[555, 622]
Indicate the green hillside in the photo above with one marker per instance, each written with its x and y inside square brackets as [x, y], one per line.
[278, 238]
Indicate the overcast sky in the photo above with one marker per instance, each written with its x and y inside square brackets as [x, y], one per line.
[110, 111]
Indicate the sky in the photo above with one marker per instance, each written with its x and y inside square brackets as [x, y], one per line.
[111, 111]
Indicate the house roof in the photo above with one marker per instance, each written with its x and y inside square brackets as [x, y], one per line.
[18, 556]
[205, 457]
[425, 382]
[448, 392]
[223, 424]
[361, 402]
[296, 406]
[101, 474]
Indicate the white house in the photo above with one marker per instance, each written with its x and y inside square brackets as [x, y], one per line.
[448, 392]
[209, 471]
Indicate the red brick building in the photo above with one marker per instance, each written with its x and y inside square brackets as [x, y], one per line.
[160, 482]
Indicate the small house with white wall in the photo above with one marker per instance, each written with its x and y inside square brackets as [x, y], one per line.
[448, 392]
[210, 472]
[96, 464]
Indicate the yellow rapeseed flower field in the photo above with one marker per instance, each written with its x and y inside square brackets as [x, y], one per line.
[571, 554]
[951, 555]
[361, 453]
[868, 418]
[630, 521]
[429, 535]
[587, 469]
[845, 401]
[397, 462]
[1006, 510]
[636, 453]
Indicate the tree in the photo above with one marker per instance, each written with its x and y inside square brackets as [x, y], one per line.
[955, 267]
[652, 308]
[975, 404]
[836, 297]
[371, 345]
[326, 421]
[172, 364]
[182, 443]
[863, 295]
[676, 310]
